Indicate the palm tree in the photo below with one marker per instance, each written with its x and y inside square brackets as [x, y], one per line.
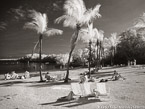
[89, 36]
[101, 38]
[76, 15]
[39, 23]
[113, 42]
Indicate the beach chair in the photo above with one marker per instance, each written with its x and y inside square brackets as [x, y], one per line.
[82, 90]
[76, 89]
[101, 90]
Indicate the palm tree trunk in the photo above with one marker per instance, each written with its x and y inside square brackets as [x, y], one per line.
[70, 53]
[112, 57]
[90, 57]
[40, 52]
[97, 56]
[34, 48]
[67, 74]
[100, 55]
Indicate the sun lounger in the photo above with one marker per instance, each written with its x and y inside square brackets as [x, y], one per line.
[76, 89]
[101, 90]
[82, 90]
[86, 90]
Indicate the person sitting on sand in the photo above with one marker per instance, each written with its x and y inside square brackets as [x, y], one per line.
[7, 76]
[116, 76]
[27, 75]
[14, 75]
[48, 77]
[83, 78]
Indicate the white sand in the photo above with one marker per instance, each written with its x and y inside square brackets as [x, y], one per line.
[29, 94]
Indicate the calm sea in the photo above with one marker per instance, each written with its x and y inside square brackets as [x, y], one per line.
[22, 67]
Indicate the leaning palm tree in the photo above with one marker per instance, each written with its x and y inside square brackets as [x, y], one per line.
[39, 23]
[75, 16]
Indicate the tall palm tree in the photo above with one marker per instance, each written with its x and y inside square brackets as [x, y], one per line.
[113, 42]
[101, 38]
[75, 16]
[39, 23]
[89, 36]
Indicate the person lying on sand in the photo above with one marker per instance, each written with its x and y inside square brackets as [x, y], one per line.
[14, 75]
[7, 76]
[116, 76]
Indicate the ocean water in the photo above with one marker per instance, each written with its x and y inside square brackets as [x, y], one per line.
[22, 67]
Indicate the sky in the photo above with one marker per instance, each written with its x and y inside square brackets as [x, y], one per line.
[117, 16]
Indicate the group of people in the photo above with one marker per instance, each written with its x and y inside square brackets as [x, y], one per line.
[48, 77]
[84, 78]
[115, 76]
[14, 75]
[57, 77]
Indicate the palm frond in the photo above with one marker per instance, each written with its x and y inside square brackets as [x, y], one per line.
[38, 23]
[52, 31]
[101, 33]
[31, 25]
[114, 40]
[68, 21]
[92, 14]
[75, 8]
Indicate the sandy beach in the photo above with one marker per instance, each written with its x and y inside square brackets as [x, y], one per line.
[31, 94]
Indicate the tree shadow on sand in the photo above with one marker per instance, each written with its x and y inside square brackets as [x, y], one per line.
[50, 84]
[72, 103]
[102, 74]
[15, 82]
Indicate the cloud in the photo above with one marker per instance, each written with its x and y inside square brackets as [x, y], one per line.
[3, 26]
